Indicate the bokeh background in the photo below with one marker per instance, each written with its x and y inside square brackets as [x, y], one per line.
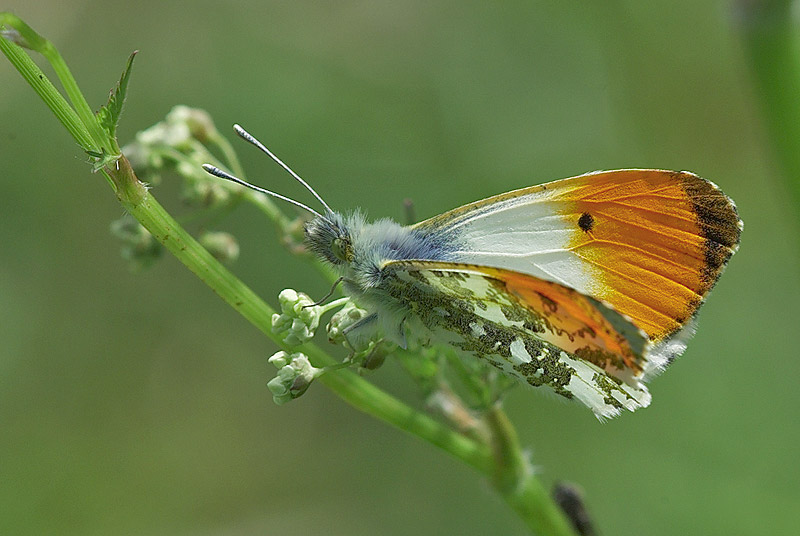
[136, 403]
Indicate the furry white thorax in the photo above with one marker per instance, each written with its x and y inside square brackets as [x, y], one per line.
[362, 250]
[366, 247]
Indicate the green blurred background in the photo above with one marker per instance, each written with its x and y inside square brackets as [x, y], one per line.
[136, 404]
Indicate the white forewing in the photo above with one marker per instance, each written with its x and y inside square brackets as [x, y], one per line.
[529, 233]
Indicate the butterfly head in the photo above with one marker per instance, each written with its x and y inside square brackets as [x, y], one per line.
[356, 248]
[330, 239]
[327, 233]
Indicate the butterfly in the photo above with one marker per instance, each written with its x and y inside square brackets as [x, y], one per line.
[588, 286]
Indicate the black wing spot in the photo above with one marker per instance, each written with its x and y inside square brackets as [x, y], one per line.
[586, 222]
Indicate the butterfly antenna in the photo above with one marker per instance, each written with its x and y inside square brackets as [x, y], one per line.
[213, 170]
[250, 138]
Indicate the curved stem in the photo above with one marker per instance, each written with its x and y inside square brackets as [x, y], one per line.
[34, 41]
[504, 461]
[48, 93]
[515, 480]
[349, 386]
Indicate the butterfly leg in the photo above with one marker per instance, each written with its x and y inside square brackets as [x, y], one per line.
[353, 329]
[374, 354]
[328, 295]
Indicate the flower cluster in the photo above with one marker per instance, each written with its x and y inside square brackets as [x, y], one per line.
[296, 324]
[179, 144]
[299, 317]
[295, 374]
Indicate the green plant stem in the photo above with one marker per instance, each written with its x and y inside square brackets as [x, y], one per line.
[771, 38]
[49, 94]
[41, 45]
[506, 465]
[515, 480]
[145, 208]
[348, 385]
[504, 462]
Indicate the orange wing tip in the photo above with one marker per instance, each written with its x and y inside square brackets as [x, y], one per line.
[655, 242]
[719, 223]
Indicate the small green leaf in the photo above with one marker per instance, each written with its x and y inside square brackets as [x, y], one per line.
[108, 115]
[102, 160]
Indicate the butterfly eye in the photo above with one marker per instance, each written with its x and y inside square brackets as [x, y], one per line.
[341, 249]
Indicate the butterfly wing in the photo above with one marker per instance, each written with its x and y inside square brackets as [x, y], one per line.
[649, 243]
[539, 331]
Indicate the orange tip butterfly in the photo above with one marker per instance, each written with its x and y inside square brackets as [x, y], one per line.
[588, 286]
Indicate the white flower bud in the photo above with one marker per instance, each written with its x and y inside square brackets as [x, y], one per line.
[198, 121]
[299, 318]
[295, 374]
